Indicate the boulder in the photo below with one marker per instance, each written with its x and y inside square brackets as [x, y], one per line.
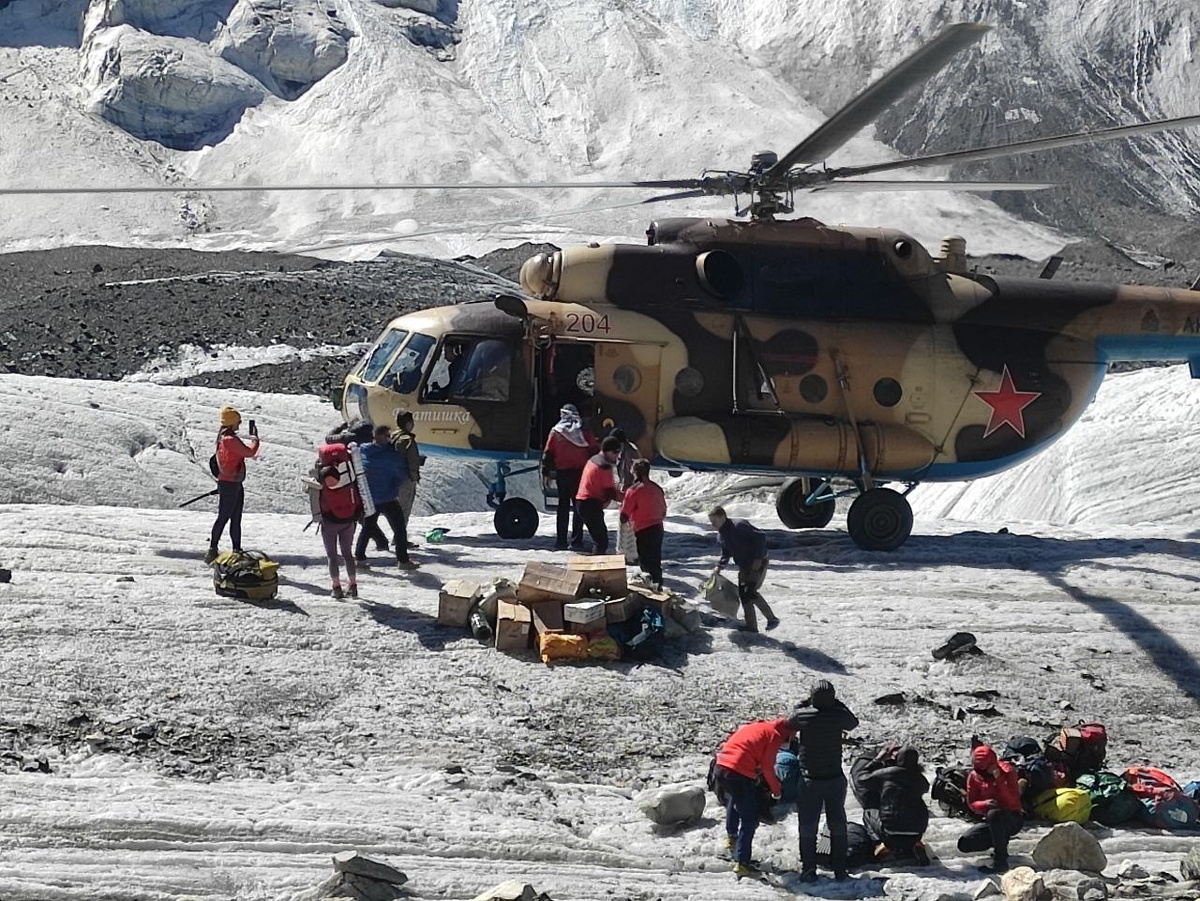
[987, 889]
[1022, 884]
[288, 45]
[672, 804]
[1069, 846]
[513, 890]
[1189, 867]
[362, 888]
[1091, 890]
[359, 864]
[1131, 870]
[171, 90]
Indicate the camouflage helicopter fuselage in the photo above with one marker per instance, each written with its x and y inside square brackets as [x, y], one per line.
[801, 348]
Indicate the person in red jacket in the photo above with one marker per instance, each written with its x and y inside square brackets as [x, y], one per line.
[597, 489]
[748, 754]
[568, 448]
[994, 795]
[645, 507]
[232, 454]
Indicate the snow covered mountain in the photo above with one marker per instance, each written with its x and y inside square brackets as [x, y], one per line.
[351, 91]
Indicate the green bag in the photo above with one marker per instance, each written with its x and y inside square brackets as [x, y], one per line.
[1113, 802]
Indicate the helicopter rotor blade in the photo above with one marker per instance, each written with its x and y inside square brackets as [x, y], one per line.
[880, 185]
[1002, 150]
[878, 97]
[686, 183]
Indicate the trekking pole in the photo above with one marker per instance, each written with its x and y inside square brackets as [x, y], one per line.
[199, 497]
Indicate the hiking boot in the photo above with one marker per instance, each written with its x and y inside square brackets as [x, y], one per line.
[352, 591]
[560, 545]
[808, 875]
[840, 875]
[746, 870]
[337, 594]
[412, 544]
[773, 623]
[211, 554]
[730, 843]
[996, 866]
[405, 564]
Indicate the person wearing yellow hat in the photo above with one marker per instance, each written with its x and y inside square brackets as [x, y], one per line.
[231, 456]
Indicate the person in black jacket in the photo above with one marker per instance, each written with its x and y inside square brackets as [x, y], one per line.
[820, 721]
[900, 820]
[747, 547]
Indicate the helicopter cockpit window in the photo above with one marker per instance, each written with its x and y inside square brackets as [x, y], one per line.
[470, 369]
[378, 356]
[405, 372]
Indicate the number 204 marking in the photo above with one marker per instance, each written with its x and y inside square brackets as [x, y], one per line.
[587, 323]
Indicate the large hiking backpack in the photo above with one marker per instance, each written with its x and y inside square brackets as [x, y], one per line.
[339, 499]
[950, 791]
[1165, 805]
[1113, 801]
[1063, 805]
[246, 575]
[787, 769]
[1081, 748]
[1021, 748]
[1040, 775]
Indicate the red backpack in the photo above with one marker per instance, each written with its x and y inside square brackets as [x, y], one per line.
[1081, 749]
[1167, 807]
[339, 499]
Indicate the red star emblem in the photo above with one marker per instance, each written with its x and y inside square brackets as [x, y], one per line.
[1007, 404]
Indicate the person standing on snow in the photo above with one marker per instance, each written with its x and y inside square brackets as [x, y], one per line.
[405, 443]
[747, 547]
[748, 754]
[341, 508]
[385, 469]
[231, 455]
[820, 722]
[993, 794]
[568, 448]
[597, 489]
[644, 507]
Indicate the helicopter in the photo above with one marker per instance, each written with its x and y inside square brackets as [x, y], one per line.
[831, 355]
[846, 359]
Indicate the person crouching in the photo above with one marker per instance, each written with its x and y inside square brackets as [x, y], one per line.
[993, 794]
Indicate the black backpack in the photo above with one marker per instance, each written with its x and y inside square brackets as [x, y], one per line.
[950, 791]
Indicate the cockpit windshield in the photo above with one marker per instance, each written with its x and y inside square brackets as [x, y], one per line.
[378, 356]
[404, 375]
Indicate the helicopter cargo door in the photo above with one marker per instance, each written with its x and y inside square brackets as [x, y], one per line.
[627, 390]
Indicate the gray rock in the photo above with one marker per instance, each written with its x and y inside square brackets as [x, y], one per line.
[356, 863]
[363, 888]
[1069, 846]
[513, 890]
[1131, 870]
[171, 90]
[1022, 884]
[1189, 867]
[288, 45]
[672, 804]
[1091, 890]
[987, 889]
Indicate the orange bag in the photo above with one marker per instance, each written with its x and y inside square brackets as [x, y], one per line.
[562, 646]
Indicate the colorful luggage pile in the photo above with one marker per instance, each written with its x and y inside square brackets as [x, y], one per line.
[1063, 780]
[583, 611]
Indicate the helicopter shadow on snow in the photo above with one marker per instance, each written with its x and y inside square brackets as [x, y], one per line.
[425, 628]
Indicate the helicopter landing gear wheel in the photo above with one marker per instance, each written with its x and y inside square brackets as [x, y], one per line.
[880, 520]
[516, 518]
[795, 513]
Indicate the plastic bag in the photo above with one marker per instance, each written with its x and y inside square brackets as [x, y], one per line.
[627, 543]
[722, 596]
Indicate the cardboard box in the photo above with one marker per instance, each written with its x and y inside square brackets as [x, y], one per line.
[605, 574]
[594, 629]
[455, 601]
[622, 609]
[660, 600]
[543, 582]
[583, 612]
[547, 616]
[513, 622]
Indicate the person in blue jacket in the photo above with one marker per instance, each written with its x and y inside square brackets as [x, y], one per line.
[386, 469]
[747, 547]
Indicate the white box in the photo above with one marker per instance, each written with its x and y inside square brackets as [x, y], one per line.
[584, 612]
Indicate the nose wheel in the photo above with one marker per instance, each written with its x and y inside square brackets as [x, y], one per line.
[880, 519]
[800, 507]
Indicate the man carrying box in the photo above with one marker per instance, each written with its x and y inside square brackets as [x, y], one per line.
[747, 547]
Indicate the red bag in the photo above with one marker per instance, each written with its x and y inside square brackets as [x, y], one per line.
[339, 500]
[1167, 807]
[1081, 749]
[1148, 781]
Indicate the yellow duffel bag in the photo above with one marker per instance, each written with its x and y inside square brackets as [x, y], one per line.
[562, 646]
[1063, 805]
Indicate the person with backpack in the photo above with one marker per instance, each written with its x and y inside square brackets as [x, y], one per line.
[340, 507]
[994, 795]
[386, 470]
[820, 721]
[231, 456]
[597, 489]
[644, 507]
[568, 448]
[405, 443]
[747, 547]
[748, 755]
[899, 821]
